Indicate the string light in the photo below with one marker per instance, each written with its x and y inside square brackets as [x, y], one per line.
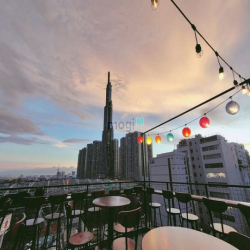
[154, 4]
[149, 140]
[158, 139]
[140, 139]
[244, 90]
[221, 70]
[186, 132]
[204, 122]
[170, 137]
[198, 49]
[232, 107]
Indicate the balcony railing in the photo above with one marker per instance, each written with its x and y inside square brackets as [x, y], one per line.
[231, 194]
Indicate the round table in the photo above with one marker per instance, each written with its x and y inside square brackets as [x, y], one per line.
[111, 202]
[178, 238]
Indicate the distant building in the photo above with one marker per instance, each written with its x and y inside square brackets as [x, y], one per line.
[81, 166]
[131, 157]
[96, 159]
[107, 168]
[89, 160]
[116, 158]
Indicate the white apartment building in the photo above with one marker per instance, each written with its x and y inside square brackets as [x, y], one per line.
[169, 167]
[212, 160]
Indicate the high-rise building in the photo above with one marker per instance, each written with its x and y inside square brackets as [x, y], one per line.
[116, 158]
[81, 166]
[122, 158]
[212, 160]
[96, 159]
[131, 157]
[107, 168]
[89, 160]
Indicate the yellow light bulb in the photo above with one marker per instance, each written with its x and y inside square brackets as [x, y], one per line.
[154, 4]
[221, 76]
[244, 90]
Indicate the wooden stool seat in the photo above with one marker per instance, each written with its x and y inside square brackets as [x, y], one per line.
[154, 205]
[77, 213]
[120, 244]
[81, 238]
[94, 209]
[54, 216]
[34, 222]
[121, 229]
[173, 211]
[190, 217]
[227, 229]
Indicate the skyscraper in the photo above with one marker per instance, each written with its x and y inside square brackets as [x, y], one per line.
[81, 166]
[107, 168]
[96, 159]
[131, 158]
[116, 158]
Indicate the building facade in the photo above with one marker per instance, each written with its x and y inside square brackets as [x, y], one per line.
[81, 165]
[107, 167]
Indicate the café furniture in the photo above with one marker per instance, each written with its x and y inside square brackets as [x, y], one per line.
[179, 238]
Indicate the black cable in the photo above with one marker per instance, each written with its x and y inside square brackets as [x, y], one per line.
[199, 105]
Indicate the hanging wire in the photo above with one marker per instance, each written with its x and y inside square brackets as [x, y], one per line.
[230, 97]
[205, 40]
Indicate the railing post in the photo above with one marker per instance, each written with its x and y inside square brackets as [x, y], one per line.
[206, 190]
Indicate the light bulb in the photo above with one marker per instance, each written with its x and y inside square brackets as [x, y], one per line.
[221, 73]
[244, 90]
[199, 51]
[154, 4]
[248, 92]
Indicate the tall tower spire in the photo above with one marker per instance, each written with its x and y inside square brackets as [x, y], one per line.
[107, 168]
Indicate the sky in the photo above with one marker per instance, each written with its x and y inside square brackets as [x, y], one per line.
[55, 57]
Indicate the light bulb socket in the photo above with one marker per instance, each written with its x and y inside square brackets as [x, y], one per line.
[235, 83]
[198, 48]
[221, 70]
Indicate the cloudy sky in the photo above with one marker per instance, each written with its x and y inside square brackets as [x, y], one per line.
[55, 57]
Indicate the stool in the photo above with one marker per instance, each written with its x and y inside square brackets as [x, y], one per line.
[245, 210]
[138, 192]
[217, 207]
[171, 211]
[33, 206]
[57, 213]
[128, 191]
[154, 206]
[78, 206]
[186, 198]
[95, 211]
[78, 240]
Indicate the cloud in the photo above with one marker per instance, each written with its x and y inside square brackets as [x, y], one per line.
[20, 140]
[76, 140]
[12, 124]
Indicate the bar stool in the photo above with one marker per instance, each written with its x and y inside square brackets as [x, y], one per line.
[154, 206]
[186, 198]
[17, 234]
[217, 207]
[171, 211]
[138, 192]
[56, 215]
[128, 191]
[238, 240]
[115, 192]
[245, 210]
[5, 204]
[80, 239]
[78, 206]
[33, 206]
[94, 214]
[128, 219]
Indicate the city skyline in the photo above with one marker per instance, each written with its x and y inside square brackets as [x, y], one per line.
[55, 57]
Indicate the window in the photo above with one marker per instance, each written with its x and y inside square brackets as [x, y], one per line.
[192, 158]
[216, 175]
[195, 175]
[193, 166]
[200, 175]
[213, 156]
[214, 165]
[190, 143]
[208, 148]
[191, 150]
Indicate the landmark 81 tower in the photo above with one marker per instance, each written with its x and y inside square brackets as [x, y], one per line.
[107, 165]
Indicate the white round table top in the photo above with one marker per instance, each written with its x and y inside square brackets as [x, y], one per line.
[111, 201]
[179, 238]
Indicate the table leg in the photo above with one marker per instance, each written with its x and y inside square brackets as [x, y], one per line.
[110, 226]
